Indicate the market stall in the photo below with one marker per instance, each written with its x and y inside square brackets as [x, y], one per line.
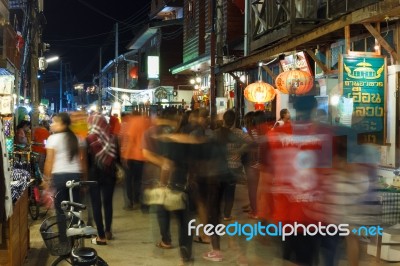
[14, 229]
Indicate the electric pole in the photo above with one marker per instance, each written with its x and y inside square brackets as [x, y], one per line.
[116, 60]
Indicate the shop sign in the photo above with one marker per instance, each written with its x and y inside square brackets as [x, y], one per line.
[363, 79]
[299, 61]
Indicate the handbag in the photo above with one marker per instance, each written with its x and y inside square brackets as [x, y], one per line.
[119, 173]
[172, 200]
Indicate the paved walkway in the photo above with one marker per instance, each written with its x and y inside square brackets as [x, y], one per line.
[136, 235]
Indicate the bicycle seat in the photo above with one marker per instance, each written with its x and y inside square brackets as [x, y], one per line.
[84, 256]
[83, 231]
[77, 206]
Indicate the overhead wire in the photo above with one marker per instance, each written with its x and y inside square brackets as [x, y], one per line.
[128, 27]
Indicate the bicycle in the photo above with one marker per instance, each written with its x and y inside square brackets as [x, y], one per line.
[72, 248]
[34, 194]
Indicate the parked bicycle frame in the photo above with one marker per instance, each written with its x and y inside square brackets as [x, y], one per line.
[71, 247]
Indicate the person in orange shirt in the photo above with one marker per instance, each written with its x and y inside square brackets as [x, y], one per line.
[131, 134]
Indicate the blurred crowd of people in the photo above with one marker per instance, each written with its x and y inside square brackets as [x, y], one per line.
[295, 171]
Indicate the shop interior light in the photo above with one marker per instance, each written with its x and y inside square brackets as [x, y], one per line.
[335, 100]
[93, 108]
[116, 105]
[192, 81]
[198, 79]
[242, 78]
[41, 109]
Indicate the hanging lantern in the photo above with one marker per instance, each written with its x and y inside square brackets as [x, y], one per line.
[294, 82]
[133, 72]
[259, 92]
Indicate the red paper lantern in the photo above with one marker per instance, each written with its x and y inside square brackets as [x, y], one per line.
[133, 72]
[259, 92]
[294, 82]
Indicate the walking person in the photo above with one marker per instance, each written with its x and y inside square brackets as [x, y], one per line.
[65, 160]
[236, 145]
[102, 158]
[131, 134]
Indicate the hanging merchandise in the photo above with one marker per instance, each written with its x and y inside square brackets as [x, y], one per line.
[6, 103]
[19, 182]
[8, 209]
[10, 145]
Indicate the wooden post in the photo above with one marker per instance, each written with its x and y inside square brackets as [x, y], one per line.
[347, 39]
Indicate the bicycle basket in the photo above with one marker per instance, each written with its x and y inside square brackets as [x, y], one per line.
[50, 230]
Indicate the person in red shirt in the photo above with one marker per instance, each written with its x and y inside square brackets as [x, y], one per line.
[283, 124]
[39, 137]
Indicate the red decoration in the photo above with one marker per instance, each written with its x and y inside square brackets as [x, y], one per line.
[259, 106]
[294, 82]
[239, 4]
[259, 92]
[19, 41]
[133, 72]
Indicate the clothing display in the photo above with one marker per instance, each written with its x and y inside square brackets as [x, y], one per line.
[19, 182]
[5, 187]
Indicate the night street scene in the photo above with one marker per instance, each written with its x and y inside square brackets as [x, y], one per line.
[199, 132]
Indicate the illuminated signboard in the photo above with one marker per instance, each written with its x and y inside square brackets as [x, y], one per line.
[153, 67]
[363, 79]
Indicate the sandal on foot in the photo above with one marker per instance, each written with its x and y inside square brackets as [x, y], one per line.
[200, 240]
[163, 245]
[109, 236]
[96, 241]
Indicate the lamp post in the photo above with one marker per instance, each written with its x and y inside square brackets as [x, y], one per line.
[54, 59]
[61, 87]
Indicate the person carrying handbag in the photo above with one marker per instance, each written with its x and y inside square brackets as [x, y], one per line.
[102, 159]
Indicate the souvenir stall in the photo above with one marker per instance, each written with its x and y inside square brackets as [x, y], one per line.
[14, 229]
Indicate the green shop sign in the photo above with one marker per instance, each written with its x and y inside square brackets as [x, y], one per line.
[363, 78]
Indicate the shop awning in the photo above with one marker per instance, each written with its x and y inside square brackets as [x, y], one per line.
[199, 63]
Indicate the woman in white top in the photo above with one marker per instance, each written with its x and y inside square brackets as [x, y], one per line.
[63, 160]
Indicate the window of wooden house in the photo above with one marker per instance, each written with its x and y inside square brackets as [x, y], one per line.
[336, 51]
[210, 13]
[388, 36]
[143, 62]
[190, 9]
[190, 20]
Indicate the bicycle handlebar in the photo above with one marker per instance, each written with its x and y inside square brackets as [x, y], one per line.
[72, 183]
[65, 204]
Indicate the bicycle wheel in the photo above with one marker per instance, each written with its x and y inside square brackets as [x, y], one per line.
[33, 206]
[101, 262]
[60, 259]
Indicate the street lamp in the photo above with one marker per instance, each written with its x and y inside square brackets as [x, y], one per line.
[61, 88]
[54, 59]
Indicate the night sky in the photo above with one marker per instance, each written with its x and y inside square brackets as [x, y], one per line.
[76, 29]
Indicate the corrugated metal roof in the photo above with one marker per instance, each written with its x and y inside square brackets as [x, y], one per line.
[5, 72]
